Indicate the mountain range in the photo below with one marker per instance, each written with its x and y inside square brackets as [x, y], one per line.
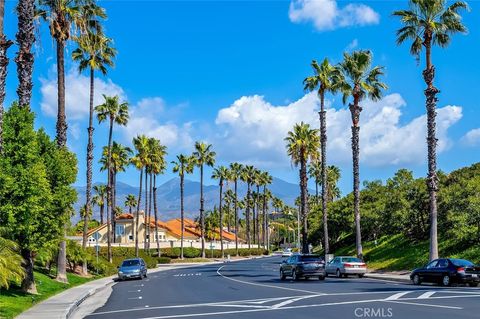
[168, 196]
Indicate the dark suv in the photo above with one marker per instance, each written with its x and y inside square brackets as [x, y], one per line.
[298, 266]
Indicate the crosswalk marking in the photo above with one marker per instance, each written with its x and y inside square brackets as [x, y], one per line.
[188, 275]
[397, 295]
[426, 295]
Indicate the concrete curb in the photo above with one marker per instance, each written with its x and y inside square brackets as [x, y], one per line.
[389, 277]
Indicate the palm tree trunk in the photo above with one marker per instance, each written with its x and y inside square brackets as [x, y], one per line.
[88, 206]
[355, 110]
[182, 221]
[221, 219]
[253, 218]
[258, 217]
[432, 179]
[202, 219]
[303, 202]
[114, 206]
[236, 218]
[138, 212]
[145, 214]
[133, 219]
[156, 212]
[61, 117]
[102, 209]
[4, 45]
[264, 236]
[109, 192]
[323, 151]
[150, 209]
[247, 207]
[24, 59]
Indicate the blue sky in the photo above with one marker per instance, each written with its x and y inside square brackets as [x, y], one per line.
[230, 73]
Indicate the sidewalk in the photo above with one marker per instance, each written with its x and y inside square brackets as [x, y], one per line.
[390, 276]
[61, 306]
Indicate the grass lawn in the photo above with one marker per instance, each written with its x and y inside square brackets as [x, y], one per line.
[191, 260]
[14, 301]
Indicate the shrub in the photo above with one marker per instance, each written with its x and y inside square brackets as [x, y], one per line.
[164, 260]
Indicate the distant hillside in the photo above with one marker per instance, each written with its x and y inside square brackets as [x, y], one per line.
[168, 196]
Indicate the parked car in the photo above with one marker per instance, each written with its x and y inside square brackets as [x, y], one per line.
[132, 268]
[306, 266]
[343, 266]
[446, 271]
[287, 252]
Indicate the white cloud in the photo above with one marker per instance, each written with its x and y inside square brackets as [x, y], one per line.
[327, 15]
[472, 138]
[352, 45]
[77, 94]
[145, 119]
[253, 130]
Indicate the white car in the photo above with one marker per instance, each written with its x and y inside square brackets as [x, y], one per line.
[343, 266]
[287, 252]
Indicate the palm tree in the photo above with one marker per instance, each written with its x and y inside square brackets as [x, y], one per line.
[302, 145]
[158, 166]
[203, 156]
[183, 165]
[99, 199]
[333, 175]
[116, 113]
[324, 80]
[229, 198]
[315, 172]
[359, 80]
[94, 52]
[140, 162]
[120, 158]
[4, 45]
[265, 180]
[247, 176]
[11, 269]
[222, 174]
[235, 173]
[25, 38]
[429, 23]
[131, 202]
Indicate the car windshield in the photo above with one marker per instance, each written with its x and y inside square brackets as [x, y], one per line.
[129, 263]
[461, 262]
[310, 258]
[351, 260]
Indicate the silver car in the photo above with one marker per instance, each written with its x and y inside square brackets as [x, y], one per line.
[342, 266]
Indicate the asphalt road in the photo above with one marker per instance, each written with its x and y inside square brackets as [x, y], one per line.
[252, 289]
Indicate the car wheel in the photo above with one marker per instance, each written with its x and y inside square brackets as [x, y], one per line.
[321, 277]
[294, 275]
[360, 275]
[473, 284]
[446, 280]
[282, 275]
[338, 273]
[416, 280]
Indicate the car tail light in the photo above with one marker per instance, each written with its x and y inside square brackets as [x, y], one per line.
[461, 270]
[347, 265]
[363, 265]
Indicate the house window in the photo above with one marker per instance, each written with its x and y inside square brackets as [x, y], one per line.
[120, 230]
[130, 237]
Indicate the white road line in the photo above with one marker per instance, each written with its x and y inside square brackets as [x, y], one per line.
[138, 290]
[264, 285]
[423, 304]
[426, 295]
[397, 295]
[287, 302]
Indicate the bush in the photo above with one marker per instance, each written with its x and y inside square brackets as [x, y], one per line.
[164, 260]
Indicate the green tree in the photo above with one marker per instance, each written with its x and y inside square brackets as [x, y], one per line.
[359, 81]
[183, 165]
[235, 174]
[428, 23]
[25, 193]
[302, 146]
[325, 79]
[203, 156]
[222, 174]
[116, 113]
[99, 199]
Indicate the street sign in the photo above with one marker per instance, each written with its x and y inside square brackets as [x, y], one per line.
[97, 248]
[212, 246]
[96, 235]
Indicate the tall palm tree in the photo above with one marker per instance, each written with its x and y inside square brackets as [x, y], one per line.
[265, 180]
[428, 23]
[131, 202]
[315, 172]
[120, 158]
[116, 113]
[203, 156]
[302, 145]
[333, 175]
[256, 207]
[25, 38]
[228, 199]
[158, 166]
[247, 176]
[235, 173]
[99, 199]
[222, 174]
[140, 161]
[183, 165]
[359, 80]
[324, 80]
[94, 52]
[4, 45]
